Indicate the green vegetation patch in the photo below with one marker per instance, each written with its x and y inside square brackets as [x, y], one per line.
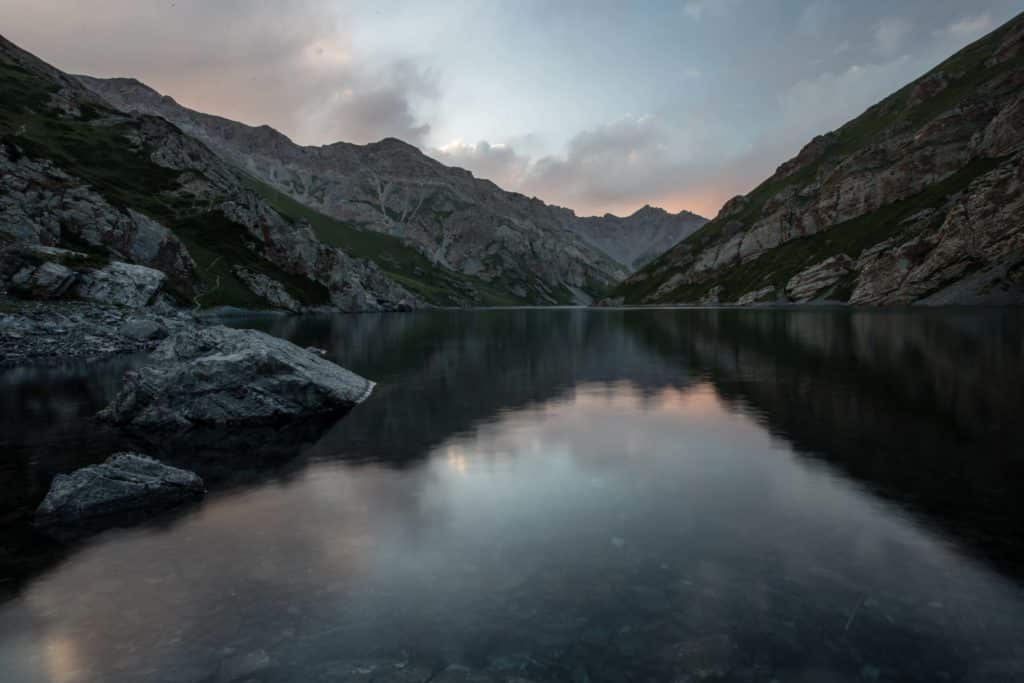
[218, 245]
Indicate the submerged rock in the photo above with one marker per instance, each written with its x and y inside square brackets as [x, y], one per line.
[126, 483]
[223, 376]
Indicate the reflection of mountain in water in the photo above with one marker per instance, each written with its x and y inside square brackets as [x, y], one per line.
[923, 407]
[443, 373]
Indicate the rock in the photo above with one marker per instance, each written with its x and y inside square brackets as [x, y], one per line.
[713, 296]
[755, 296]
[125, 483]
[143, 329]
[121, 284]
[272, 291]
[45, 281]
[36, 271]
[223, 376]
[805, 285]
[55, 331]
[42, 205]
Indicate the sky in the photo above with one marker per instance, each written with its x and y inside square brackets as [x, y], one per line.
[598, 105]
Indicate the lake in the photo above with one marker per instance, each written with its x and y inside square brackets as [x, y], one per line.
[557, 495]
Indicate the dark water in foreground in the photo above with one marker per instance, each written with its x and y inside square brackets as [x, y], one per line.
[666, 495]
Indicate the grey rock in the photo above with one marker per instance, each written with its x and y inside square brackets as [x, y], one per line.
[755, 296]
[125, 483]
[807, 284]
[53, 331]
[272, 291]
[143, 329]
[120, 284]
[47, 280]
[223, 376]
[41, 204]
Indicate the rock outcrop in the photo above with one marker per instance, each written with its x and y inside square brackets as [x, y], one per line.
[126, 484]
[272, 291]
[121, 284]
[229, 377]
[918, 200]
[35, 278]
[37, 272]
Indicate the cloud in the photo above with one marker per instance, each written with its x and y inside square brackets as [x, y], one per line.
[830, 99]
[697, 10]
[617, 167]
[890, 35]
[968, 28]
[819, 16]
[499, 163]
[370, 106]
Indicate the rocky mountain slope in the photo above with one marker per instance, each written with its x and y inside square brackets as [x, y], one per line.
[918, 200]
[115, 187]
[522, 249]
[637, 239]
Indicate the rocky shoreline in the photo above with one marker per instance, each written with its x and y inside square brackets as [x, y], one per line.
[45, 332]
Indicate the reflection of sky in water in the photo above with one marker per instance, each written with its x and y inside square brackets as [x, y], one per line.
[609, 531]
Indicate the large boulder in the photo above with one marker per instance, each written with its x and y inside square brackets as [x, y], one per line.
[122, 284]
[45, 281]
[222, 376]
[127, 483]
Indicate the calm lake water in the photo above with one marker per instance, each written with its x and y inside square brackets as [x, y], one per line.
[557, 495]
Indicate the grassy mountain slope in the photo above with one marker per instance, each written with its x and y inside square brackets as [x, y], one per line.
[922, 175]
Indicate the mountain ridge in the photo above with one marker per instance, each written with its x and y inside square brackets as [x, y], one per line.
[917, 200]
[457, 221]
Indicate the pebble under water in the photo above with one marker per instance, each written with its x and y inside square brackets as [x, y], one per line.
[556, 495]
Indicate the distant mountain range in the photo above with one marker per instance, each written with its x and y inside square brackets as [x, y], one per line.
[240, 215]
[637, 239]
[918, 200]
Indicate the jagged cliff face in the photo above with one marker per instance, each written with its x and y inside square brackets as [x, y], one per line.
[520, 246]
[637, 239]
[75, 172]
[919, 200]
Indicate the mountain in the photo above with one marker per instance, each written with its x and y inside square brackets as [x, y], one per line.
[521, 248]
[918, 200]
[639, 238]
[77, 173]
[240, 215]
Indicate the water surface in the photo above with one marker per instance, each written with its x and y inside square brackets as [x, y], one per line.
[529, 495]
